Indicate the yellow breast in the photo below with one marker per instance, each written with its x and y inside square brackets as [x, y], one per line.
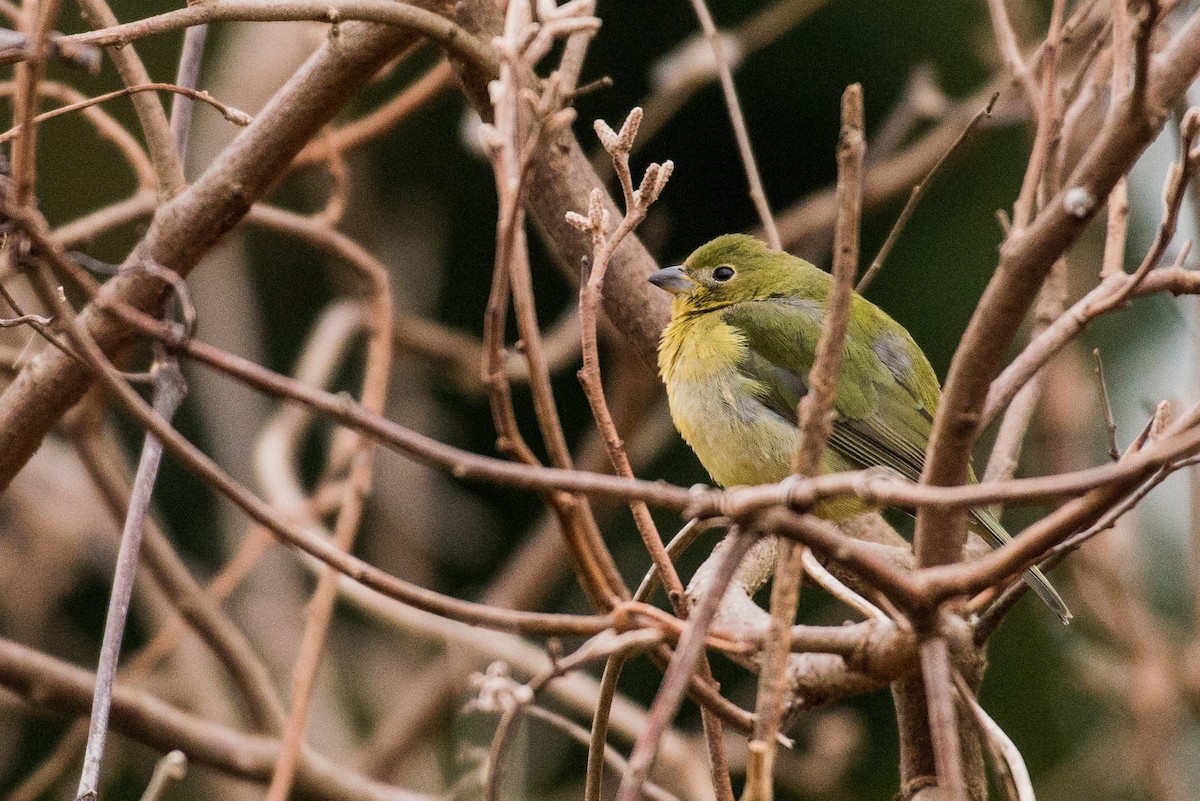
[715, 408]
[718, 412]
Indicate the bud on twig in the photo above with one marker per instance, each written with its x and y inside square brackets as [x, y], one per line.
[653, 183]
[597, 214]
[630, 127]
[577, 220]
[606, 135]
[237, 116]
[619, 143]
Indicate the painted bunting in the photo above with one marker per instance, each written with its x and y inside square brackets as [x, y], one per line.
[735, 359]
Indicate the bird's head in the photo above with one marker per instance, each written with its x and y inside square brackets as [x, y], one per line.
[734, 268]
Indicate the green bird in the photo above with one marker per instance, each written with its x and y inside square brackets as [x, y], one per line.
[735, 357]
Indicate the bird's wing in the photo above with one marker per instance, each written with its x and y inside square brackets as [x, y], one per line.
[882, 417]
[884, 413]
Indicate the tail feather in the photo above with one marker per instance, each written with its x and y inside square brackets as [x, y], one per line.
[987, 526]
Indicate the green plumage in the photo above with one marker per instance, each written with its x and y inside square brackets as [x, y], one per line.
[735, 359]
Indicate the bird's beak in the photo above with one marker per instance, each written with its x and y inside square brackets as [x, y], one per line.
[673, 280]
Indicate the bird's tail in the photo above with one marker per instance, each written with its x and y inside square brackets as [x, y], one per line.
[986, 525]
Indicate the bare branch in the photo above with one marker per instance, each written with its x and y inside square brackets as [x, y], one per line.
[1024, 262]
[53, 686]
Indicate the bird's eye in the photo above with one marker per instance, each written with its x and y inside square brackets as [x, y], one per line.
[723, 273]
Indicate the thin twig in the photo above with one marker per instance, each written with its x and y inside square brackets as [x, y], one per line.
[1118, 199]
[682, 540]
[37, 22]
[679, 74]
[339, 193]
[598, 741]
[1113, 515]
[758, 195]
[106, 125]
[815, 420]
[637, 204]
[1012, 774]
[188, 74]
[511, 139]
[25, 319]
[682, 667]
[1110, 424]
[383, 119]
[499, 693]
[1006, 41]
[1192, 313]
[1173, 192]
[169, 389]
[772, 680]
[1048, 119]
[612, 758]
[171, 768]
[228, 112]
[102, 458]
[53, 687]
[815, 416]
[918, 192]
[155, 127]
[834, 586]
[356, 487]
